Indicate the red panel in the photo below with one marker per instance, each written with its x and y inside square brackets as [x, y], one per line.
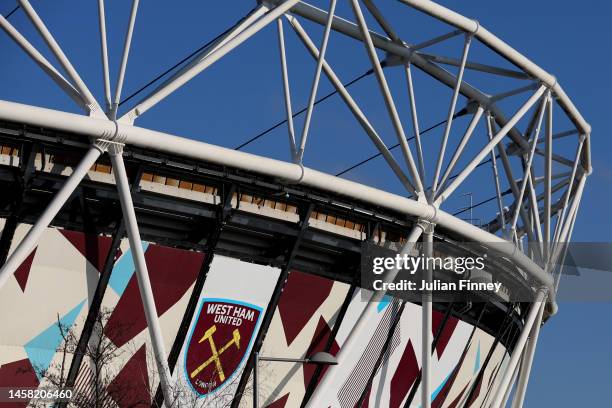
[23, 271]
[130, 388]
[457, 400]
[447, 332]
[476, 393]
[318, 343]
[279, 403]
[93, 247]
[404, 376]
[17, 374]
[172, 272]
[301, 298]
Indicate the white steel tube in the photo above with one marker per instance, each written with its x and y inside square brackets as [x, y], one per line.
[533, 199]
[568, 193]
[286, 88]
[363, 325]
[415, 123]
[464, 140]
[564, 250]
[518, 348]
[316, 80]
[573, 208]
[30, 241]
[509, 389]
[104, 52]
[500, 202]
[42, 62]
[124, 59]
[497, 139]
[142, 274]
[388, 98]
[437, 40]
[515, 191]
[451, 113]
[531, 87]
[59, 54]
[405, 52]
[354, 108]
[548, 178]
[183, 77]
[382, 22]
[502, 48]
[526, 171]
[426, 322]
[527, 361]
[87, 127]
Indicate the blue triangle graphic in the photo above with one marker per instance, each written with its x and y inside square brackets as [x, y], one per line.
[41, 349]
[383, 303]
[437, 390]
[477, 362]
[123, 271]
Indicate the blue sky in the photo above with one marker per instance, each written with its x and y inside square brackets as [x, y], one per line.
[242, 95]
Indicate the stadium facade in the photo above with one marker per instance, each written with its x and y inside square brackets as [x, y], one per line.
[180, 259]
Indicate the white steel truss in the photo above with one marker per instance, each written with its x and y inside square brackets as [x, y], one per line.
[547, 214]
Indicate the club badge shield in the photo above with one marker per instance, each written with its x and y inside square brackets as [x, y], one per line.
[219, 342]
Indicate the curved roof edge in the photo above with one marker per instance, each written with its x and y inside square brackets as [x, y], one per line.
[93, 128]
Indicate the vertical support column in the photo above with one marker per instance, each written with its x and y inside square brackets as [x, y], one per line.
[28, 243]
[142, 274]
[505, 382]
[255, 375]
[426, 320]
[523, 379]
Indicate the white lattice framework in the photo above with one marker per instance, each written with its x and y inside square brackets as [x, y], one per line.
[542, 207]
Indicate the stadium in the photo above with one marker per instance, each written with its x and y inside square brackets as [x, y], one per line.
[143, 267]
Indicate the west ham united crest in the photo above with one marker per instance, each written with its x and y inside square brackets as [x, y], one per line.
[219, 342]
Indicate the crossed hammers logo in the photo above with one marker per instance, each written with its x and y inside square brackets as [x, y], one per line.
[208, 335]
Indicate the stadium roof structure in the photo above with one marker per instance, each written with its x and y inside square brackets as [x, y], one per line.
[544, 168]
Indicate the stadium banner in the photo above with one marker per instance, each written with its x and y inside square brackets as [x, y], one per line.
[227, 318]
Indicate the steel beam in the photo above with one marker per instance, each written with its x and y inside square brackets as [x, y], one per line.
[180, 79]
[354, 108]
[518, 348]
[491, 145]
[104, 55]
[426, 321]
[527, 361]
[451, 113]
[464, 140]
[526, 171]
[142, 274]
[124, 60]
[42, 62]
[59, 54]
[286, 89]
[388, 98]
[315, 81]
